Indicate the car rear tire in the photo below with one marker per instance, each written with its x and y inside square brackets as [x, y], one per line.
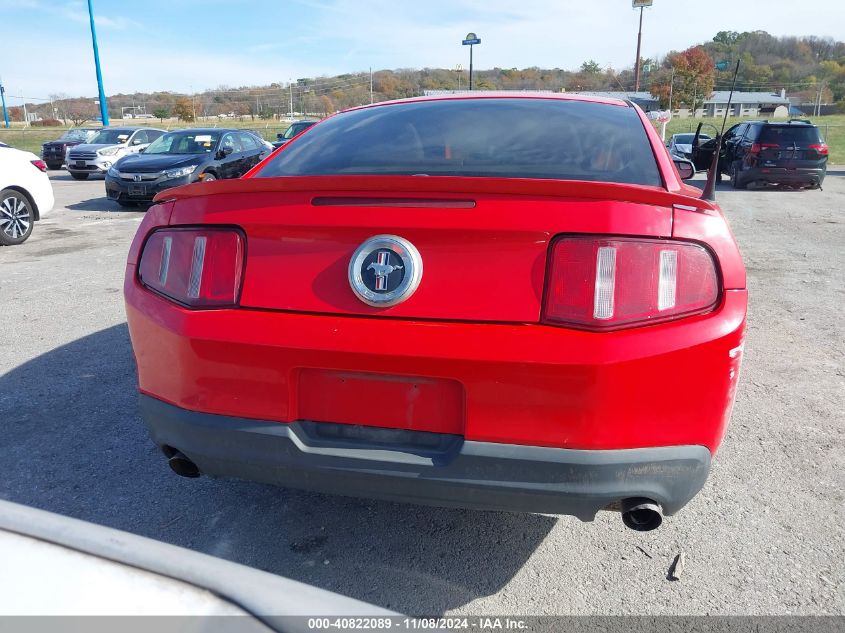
[16, 217]
[79, 175]
[736, 183]
[54, 165]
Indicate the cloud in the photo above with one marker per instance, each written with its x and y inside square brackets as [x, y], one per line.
[78, 12]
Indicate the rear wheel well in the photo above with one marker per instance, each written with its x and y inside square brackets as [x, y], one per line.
[35, 213]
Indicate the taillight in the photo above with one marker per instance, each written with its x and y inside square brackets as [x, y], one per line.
[197, 267]
[756, 148]
[608, 283]
[40, 164]
[821, 148]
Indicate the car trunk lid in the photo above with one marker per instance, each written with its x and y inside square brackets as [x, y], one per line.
[483, 242]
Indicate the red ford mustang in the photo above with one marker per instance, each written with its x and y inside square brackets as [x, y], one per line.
[495, 301]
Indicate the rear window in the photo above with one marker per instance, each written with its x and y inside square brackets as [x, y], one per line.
[507, 137]
[784, 135]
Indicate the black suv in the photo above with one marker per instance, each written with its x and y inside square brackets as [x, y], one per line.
[787, 153]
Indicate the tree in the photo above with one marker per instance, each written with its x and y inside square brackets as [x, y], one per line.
[591, 67]
[16, 113]
[80, 110]
[328, 105]
[161, 114]
[184, 109]
[694, 78]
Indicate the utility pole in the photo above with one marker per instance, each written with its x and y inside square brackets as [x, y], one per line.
[3, 99]
[290, 85]
[694, 99]
[104, 108]
[671, 89]
[639, 4]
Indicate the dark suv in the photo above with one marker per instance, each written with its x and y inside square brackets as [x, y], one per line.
[787, 153]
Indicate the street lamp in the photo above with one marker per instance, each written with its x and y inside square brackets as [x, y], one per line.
[104, 109]
[471, 40]
[639, 4]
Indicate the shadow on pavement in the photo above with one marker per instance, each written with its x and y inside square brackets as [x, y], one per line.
[103, 205]
[74, 444]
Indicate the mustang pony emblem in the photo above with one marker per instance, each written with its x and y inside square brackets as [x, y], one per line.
[382, 269]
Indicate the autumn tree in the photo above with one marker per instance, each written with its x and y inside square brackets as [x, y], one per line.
[183, 109]
[327, 104]
[694, 76]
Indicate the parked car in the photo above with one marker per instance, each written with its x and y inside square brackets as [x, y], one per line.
[105, 148]
[25, 194]
[261, 139]
[296, 128]
[680, 145]
[784, 153]
[177, 158]
[55, 565]
[495, 301]
[53, 153]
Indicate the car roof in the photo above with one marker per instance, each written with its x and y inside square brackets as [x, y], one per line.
[501, 94]
[127, 128]
[790, 122]
[207, 130]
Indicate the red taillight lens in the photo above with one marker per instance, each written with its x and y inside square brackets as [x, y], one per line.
[40, 164]
[756, 148]
[821, 148]
[200, 268]
[608, 283]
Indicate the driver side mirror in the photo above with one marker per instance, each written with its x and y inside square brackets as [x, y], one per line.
[685, 168]
[137, 141]
[223, 152]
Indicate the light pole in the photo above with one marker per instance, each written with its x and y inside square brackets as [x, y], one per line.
[3, 99]
[471, 40]
[639, 4]
[104, 109]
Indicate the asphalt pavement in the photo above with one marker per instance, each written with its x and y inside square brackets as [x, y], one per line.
[765, 536]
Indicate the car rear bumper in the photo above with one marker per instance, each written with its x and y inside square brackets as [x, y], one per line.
[670, 384]
[782, 175]
[428, 468]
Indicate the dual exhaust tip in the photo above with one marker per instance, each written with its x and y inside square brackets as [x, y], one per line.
[640, 514]
[179, 463]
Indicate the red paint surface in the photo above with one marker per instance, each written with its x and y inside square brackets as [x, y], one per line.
[469, 338]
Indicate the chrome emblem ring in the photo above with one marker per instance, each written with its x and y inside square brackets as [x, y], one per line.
[385, 270]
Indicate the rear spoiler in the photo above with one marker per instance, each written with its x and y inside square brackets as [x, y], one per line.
[466, 186]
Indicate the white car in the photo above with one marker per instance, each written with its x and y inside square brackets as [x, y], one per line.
[107, 146]
[680, 145]
[26, 194]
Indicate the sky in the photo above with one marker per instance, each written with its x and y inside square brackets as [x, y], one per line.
[190, 45]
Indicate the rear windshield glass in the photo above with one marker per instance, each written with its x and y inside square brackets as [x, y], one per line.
[507, 137]
[783, 135]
